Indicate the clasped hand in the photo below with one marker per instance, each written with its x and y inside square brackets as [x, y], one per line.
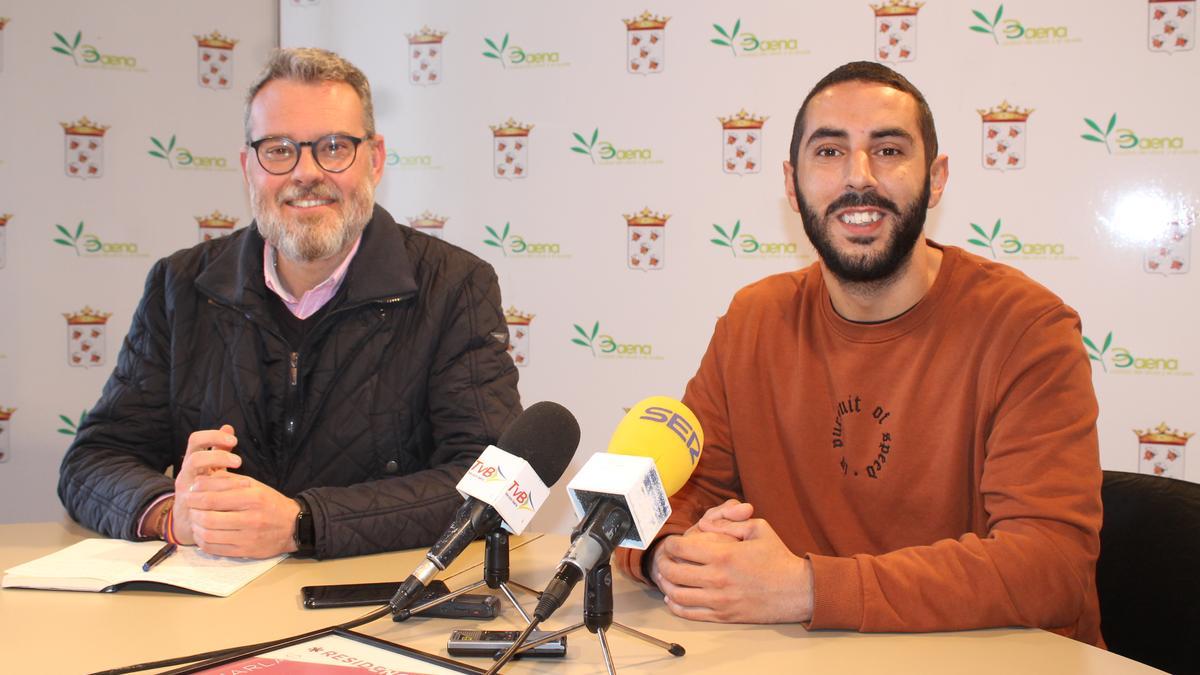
[732, 568]
[225, 513]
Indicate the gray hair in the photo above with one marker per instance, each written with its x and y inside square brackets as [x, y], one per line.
[313, 66]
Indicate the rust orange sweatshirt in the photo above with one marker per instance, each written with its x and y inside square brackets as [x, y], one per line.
[940, 470]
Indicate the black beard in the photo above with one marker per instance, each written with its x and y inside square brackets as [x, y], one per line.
[864, 269]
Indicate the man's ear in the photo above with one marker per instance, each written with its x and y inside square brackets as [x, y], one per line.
[378, 157]
[939, 173]
[789, 185]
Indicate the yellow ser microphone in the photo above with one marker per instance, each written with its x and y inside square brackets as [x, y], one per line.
[622, 495]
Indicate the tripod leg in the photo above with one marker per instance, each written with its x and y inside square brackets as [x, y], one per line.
[549, 637]
[512, 598]
[608, 662]
[674, 648]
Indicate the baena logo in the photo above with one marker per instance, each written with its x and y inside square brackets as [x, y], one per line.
[510, 149]
[646, 239]
[519, 339]
[1016, 33]
[896, 30]
[513, 245]
[609, 348]
[749, 44]
[215, 225]
[1172, 252]
[646, 44]
[1004, 129]
[1171, 25]
[182, 158]
[71, 427]
[1161, 451]
[88, 245]
[1012, 248]
[425, 56]
[85, 338]
[429, 223]
[87, 56]
[517, 57]
[411, 162]
[1128, 142]
[1124, 362]
[83, 148]
[607, 154]
[4, 239]
[5, 432]
[214, 60]
[741, 143]
[747, 246]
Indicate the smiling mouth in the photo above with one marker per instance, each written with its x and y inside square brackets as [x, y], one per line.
[308, 203]
[867, 217]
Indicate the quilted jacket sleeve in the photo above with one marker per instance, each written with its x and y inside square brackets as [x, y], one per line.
[115, 466]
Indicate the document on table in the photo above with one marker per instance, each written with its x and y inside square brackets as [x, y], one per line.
[107, 564]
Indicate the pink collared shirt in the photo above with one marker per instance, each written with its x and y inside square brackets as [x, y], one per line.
[314, 299]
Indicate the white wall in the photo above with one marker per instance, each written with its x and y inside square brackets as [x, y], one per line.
[1099, 214]
[135, 70]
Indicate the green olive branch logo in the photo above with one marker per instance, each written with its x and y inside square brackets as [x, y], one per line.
[988, 27]
[728, 237]
[588, 339]
[500, 239]
[68, 47]
[71, 427]
[163, 152]
[72, 240]
[729, 36]
[987, 244]
[497, 52]
[1097, 354]
[1112, 122]
[585, 147]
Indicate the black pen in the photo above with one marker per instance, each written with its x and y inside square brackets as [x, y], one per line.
[163, 553]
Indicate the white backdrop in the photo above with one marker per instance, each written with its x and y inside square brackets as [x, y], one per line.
[1083, 217]
[135, 70]
[599, 322]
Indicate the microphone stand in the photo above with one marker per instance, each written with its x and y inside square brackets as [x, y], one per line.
[597, 618]
[495, 576]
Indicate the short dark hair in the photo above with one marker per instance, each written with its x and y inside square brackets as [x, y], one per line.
[869, 71]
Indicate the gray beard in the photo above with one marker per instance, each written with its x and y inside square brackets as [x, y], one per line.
[311, 239]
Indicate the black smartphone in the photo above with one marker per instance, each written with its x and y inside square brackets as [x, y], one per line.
[466, 606]
[489, 643]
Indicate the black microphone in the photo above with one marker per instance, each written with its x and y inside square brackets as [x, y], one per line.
[546, 436]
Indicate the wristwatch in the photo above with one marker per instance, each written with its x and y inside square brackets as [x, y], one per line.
[304, 536]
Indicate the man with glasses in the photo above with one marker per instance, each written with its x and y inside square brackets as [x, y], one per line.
[318, 382]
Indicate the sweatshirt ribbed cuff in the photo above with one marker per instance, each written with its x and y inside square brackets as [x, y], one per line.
[837, 593]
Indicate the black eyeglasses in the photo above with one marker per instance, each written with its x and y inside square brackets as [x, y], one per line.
[334, 153]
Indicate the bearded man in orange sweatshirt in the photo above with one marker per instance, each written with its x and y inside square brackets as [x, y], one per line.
[900, 437]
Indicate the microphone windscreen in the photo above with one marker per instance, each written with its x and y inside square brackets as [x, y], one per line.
[546, 435]
[666, 431]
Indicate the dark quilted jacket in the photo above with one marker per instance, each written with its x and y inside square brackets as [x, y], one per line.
[398, 388]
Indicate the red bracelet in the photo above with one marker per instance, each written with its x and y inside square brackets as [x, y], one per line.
[169, 528]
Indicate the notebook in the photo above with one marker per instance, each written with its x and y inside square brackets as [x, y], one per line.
[106, 565]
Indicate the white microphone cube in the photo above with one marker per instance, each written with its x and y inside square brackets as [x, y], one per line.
[508, 484]
[630, 478]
